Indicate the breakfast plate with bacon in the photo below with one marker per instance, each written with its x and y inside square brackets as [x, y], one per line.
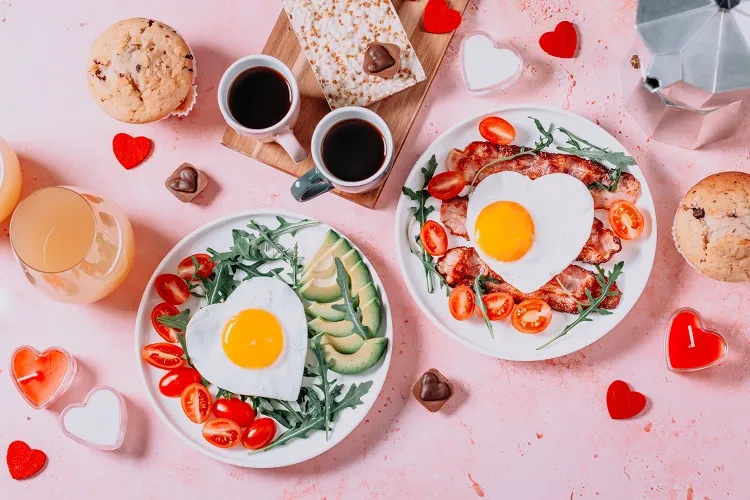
[527, 233]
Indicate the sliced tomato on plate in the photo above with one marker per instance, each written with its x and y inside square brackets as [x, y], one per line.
[446, 185]
[187, 270]
[497, 131]
[222, 432]
[176, 380]
[462, 302]
[164, 309]
[171, 288]
[236, 410]
[626, 220]
[196, 403]
[434, 238]
[259, 434]
[498, 305]
[163, 355]
[531, 316]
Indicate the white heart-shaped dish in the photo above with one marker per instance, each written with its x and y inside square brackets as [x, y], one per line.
[562, 210]
[98, 422]
[487, 66]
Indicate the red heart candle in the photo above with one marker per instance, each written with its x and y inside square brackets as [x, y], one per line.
[690, 347]
[130, 151]
[42, 377]
[562, 42]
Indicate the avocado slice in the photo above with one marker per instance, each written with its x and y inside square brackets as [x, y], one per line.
[371, 318]
[320, 262]
[365, 357]
[345, 345]
[321, 290]
[326, 267]
[328, 313]
[329, 240]
[360, 276]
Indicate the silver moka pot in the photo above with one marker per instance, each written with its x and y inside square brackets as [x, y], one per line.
[687, 78]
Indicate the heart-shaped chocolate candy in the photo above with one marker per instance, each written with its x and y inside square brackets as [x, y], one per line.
[187, 182]
[433, 389]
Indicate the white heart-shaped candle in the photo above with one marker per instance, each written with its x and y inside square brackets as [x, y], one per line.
[542, 224]
[486, 66]
[98, 422]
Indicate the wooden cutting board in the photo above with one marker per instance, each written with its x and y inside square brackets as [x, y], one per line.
[399, 110]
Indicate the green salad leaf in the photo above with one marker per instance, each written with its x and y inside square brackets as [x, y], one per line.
[349, 307]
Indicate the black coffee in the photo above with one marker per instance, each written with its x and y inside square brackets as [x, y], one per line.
[353, 150]
[259, 98]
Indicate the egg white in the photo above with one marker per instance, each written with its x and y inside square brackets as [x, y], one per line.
[282, 379]
[563, 211]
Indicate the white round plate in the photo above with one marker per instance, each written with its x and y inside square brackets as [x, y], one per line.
[509, 344]
[218, 235]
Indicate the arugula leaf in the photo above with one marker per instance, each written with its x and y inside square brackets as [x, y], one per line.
[324, 385]
[223, 284]
[546, 139]
[183, 344]
[178, 321]
[349, 308]
[605, 281]
[479, 292]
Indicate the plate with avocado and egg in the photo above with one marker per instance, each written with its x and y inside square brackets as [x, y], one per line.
[264, 338]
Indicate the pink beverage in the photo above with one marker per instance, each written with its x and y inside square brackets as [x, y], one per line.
[75, 247]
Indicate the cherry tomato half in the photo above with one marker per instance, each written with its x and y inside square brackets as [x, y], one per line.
[196, 403]
[164, 309]
[259, 434]
[163, 355]
[462, 302]
[433, 238]
[626, 220]
[174, 382]
[531, 316]
[222, 432]
[446, 185]
[171, 288]
[497, 131]
[235, 410]
[186, 269]
[498, 305]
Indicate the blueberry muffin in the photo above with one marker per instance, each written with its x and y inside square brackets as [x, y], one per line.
[712, 226]
[140, 71]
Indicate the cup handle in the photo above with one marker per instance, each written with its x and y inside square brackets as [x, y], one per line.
[310, 185]
[291, 145]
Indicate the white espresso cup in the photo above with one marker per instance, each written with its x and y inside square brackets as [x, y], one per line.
[280, 132]
[320, 180]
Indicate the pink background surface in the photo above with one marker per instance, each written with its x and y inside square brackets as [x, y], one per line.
[515, 430]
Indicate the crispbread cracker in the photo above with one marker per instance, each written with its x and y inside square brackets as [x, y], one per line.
[334, 35]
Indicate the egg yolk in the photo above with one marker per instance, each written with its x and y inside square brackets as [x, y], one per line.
[253, 338]
[504, 230]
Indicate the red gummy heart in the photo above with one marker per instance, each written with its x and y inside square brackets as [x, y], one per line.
[23, 462]
[563, 42]
[130, 151]
[439, 18]
[622, 402]
[689, 346]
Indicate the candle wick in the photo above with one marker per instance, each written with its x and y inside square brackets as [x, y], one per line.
[30, 376]
[692, 339]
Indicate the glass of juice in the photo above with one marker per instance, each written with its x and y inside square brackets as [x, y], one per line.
[72, 245]
[10, 180]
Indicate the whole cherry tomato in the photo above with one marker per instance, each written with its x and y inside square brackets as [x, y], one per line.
[186, 269]
[531, 316]
[497, 131]
[260, 433]
[171, 288]
[176, 380]
[235, 410]
[222, 432]
[433, 238]
[163, 355]
[164, 309]
[446, 185]
[462, 302]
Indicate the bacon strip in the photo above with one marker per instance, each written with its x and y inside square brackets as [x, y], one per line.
[601, 246]
[476, 155]
[461, 265]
